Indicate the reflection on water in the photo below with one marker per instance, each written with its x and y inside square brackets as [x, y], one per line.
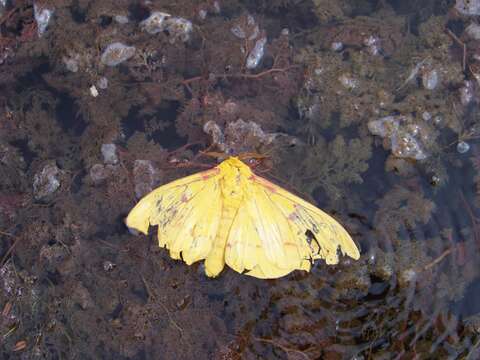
[369, 108]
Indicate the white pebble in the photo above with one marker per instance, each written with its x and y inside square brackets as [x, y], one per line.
[463, 147]
[336, 46]
[109, 152]
[121, 19]
[102, 83]
[93, 91]
[46, 181]
[468, 7]
[430, 79]
[98, 173]
[42, 17]
[473, 30]
[116, 53]
[348, 81]
[256, 54]
[145, 176]
[467, 92]
[72, 62]
[202, 14]
[154, 23]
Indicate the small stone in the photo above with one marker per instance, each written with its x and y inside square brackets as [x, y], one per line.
[42, 17]
[467, 92]
[93, 91]
[438, 120]
[468, 7]
[430, 79]
[348, 81]
[109, 153]
[178, 28]
[407, 277]
[202, 14]
[463, 147]
[108, 266]
[155, 22]
[336, 46]
[426, 116]
[82, 297]
[99, 173]
[183, 303]
[145, 176]
[46, 182]
[116, 53]
[435, 180]
[121, 19]
[373, 45]
[102, 83]
[72, 62]
[256, 55]
[473, 30]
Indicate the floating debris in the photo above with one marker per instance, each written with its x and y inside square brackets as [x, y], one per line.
[46, 182]
[42, 16]
[109, 152]
[256, 54]
[116, 53]
[463, 147]
[405, 137]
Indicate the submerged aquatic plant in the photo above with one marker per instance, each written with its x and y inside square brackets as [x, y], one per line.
[331, 166]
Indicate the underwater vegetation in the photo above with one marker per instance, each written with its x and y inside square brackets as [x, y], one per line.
[368, 109]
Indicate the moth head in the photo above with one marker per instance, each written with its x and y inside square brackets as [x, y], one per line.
[253, 160]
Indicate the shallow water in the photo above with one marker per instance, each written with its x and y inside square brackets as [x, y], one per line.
[74, 283]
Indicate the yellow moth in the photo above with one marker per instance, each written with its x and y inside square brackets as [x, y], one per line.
[229, 215]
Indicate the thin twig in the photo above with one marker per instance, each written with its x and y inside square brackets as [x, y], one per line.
[286, 349]
[462, 44]
[439, 258]
[241, 75]
[7, 15]
[151, 295]
[473, 218]
[473, 350]
[9, 251]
